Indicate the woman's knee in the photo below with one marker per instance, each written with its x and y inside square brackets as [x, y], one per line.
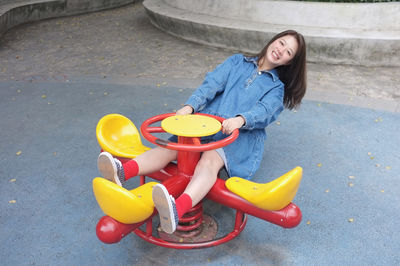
[211, 160]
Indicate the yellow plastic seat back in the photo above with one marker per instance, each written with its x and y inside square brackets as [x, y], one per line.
[271, 196]
[117, 135]
[125, 206]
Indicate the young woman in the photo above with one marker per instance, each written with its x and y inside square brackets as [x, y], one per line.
[250, 92]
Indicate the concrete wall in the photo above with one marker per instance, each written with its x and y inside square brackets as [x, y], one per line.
[10, 1]
[368, 16]
[336, 33]
[83, 6]
[13, 13]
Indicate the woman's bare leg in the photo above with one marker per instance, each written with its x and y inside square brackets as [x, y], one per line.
[155, 160]
[204, 176]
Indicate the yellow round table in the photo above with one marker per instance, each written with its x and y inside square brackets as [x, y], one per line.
[191, 125]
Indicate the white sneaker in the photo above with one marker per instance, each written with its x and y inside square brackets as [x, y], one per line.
[165, 205]
[111, 168]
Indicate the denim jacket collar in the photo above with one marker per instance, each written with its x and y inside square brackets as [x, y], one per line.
[273, 72]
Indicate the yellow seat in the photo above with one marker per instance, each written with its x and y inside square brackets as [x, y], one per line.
[125, 206]
[117, 135]
[271, 196]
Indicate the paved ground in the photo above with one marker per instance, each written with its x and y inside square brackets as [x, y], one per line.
[59, 77]
[123, 46]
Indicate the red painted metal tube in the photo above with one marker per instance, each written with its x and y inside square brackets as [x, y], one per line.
[288, 217]
[111, 231]
[167, 173]
[237, 230]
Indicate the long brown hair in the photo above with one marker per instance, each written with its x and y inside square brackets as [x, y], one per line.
[293, 75]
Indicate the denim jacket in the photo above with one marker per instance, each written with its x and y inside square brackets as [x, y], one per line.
[235, 88]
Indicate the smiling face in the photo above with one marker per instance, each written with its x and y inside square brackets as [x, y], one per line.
[280, 52]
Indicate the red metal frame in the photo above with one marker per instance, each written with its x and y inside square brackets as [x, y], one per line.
[175, 178]
[192, 146]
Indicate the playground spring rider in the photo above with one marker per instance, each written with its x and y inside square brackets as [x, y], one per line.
[127, 211]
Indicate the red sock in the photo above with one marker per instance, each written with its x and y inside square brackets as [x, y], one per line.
[183, 204]
[131, 169]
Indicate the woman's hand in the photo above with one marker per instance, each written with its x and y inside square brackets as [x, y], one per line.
[185, 110]
[231, 124]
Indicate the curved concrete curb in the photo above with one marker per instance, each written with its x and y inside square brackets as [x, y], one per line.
[362, 38]
[13, 13]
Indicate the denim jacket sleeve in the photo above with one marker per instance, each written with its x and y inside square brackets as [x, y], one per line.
[213, 84]
[266, 110]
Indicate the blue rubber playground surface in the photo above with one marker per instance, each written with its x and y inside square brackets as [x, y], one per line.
[349, 195]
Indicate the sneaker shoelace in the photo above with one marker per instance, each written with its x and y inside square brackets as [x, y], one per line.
[120, 171]
[175, 210]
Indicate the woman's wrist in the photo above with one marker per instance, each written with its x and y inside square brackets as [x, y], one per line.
[189, 108]
[241, 120]
[185, 110]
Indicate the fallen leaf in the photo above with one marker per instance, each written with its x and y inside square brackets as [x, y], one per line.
[19, 152]
[13, 180]
[351, 220]
[319, 165]
[44, 96]
[351, 184]
[308, 222]
[12, 201]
